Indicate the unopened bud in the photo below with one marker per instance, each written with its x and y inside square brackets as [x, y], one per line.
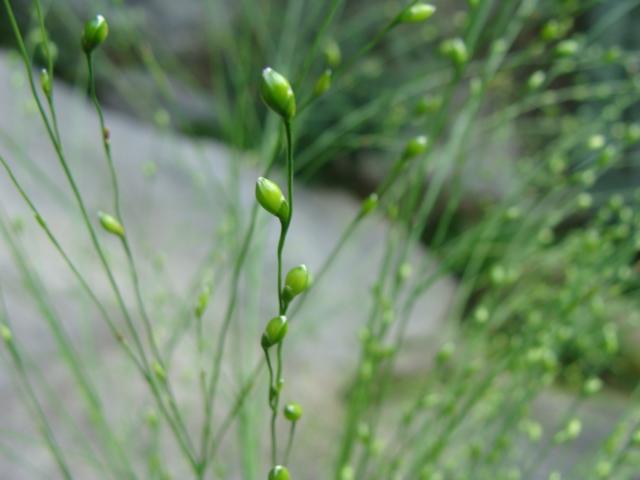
[95, 32]
[110, 224]
[416, 146]
[296, 282]
[45, 82]
[417, 13]
[270, 197]
[279, 473]
[275, 331]
[324, 83]
[277, 93]
[293, 411]
[456, 50]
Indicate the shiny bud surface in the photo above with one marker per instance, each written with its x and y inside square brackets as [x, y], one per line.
[271, 198]
[293, 411]
[296, 281]
[279, 473]
[95, 33]
[110, 224]
[418, 13]
[277, 93]
[275, 331]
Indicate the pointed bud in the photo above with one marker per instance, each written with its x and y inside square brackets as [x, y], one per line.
[324, 83]
[293, 411]
[275, 331]
[332, 53]
[416, 146]
[417, 13]
[456, 50]
[159, 371]
[270, 198]
[95, 32]
[45, 82]
[6, 334]
[203, 301]
[279, 473]
[110, 224]
[296, 282]
[277, 93]
[567, 48]
[536, 80]
[369, 204]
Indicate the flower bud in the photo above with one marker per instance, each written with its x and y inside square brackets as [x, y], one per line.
[45, 82]
[567, 48]
[369, 204]
[270, 197]
[324, 83]
[159, 371]
[332, 53]
[536, 80]
[95, 32]
[110, 224]
[6, 334]
[456, 50]
[417, 13]
[203, 301]
[277, 93]
[296, 282]
[293, 411]
[592, 386]
[275, 331]
[416, 146]
[279, 473]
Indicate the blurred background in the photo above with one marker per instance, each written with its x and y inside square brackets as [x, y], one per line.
[499, 271]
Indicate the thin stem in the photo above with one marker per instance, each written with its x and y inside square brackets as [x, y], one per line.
[135, 279]
[292, 432]
[57, 144]
[34, 403]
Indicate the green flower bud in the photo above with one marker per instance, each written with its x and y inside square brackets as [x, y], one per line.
[293, 411]
[275, 331]
[296, 282]
[369, 204]
[592, 386]
[45, 82]
[159, 371]
[279, 473]
[416, 146]
[203, 301]
[6, 334]
[110, 224]
[536, 80]
[567, 48]
[456, 50]
[95, 32]
[554, 29]
[324, 83]
[332, 53]
[270, 197]
[417, 13]
[277, 93]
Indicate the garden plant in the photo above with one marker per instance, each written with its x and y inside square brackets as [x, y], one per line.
[500, 136]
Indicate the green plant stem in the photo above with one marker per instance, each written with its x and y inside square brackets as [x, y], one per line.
[237, 406]
[292, 433]
[57, 144]
[38, 412]
[117, 205]
[29, 391]
[92, 397]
